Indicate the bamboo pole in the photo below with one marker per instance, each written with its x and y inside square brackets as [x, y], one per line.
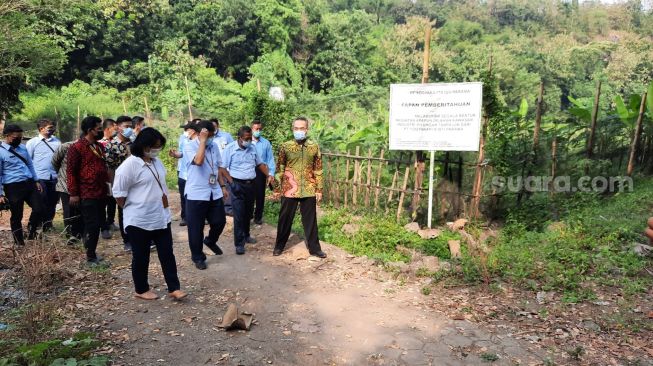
[57, 121]
[368, 189]
[190, 102]
[347, 180]
[258, 85]
[147, 111]
[378, 181]
[638, 130]
[124, 105]
[554, 161]
[403, 193]
[532, 158]
[354, 198]
[392, 187]
[79, 121]
[478, 174]
[337, 185]
[595, 114]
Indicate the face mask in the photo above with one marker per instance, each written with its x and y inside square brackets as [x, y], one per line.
[15, 142]
[299, 135]
[187, 134]
[99, 135]
[256, 134]
[132, 138]
[245, 144]
[153, 153]
[48, 132]
[114, 134]
[127, 132]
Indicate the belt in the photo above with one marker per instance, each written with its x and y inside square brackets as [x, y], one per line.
[243, 181]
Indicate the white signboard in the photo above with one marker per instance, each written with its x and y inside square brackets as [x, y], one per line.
[443, 117]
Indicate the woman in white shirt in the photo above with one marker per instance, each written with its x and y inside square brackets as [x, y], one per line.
[140, 189]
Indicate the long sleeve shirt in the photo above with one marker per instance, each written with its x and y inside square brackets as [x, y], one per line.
[300, 169]
[60, 164]
[264, 150]
[41, 150]
[86, 171]
[12, 168]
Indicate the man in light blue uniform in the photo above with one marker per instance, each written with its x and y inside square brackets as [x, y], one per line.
[241, 160]
[264, 150]
[182, 172]
[19, 183]
[222, 139]
[205, 188]
[41, 149]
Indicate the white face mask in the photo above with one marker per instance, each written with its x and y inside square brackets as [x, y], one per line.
[187, 134]
[153, 153]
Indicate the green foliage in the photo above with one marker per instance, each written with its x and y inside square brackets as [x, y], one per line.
[75, 351]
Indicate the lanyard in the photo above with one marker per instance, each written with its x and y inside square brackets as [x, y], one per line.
[156, 176]
[95, 151]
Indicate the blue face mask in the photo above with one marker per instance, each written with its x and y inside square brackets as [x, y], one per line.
[127, 132]
[245, 144]
[256, 134]
[299, 135]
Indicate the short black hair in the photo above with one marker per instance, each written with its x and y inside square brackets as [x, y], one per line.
[137, 120]
[243, 130]
[89, 123]
[123, 119]
[44, 122]
[215, 120]
[204, 124]
[257, 122]
[11, 129]
[147, 138]
[107, 123]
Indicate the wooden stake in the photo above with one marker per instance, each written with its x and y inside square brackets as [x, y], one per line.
[190, 102]
[554, 162]
[392, 187]
[258, 85]
[57, 121]
[147, 111]
[427, 54]
[403, 193]
[538, 118]
[354, 198]
[478, 175]
[124, 106]
[638, 130]
[595, 114]
[378, 180]
[338, 196]
[368, 189]
[346, 180]
[79, 122]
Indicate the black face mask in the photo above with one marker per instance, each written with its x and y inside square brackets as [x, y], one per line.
[15, 142]
[99, 135]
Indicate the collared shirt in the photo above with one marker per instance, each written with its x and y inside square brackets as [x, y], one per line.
[60, 164]
[300, 169]
[222, 139]
[117, 152]
[181, 165]
[138, 182]
[197, 183]
[86, 171]
[12, 169]
[241, 163]
[264, 150]
[41, 150]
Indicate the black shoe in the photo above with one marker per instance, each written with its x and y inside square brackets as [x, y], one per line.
[32, 235]
[94, 261]
[319, 254]
[213, 246]
[200, 265]
[182, 222]
[258, 222]
[250, 240]
[152, 247]
[106, 234]
[277, 252]
[240, 250]
[127, 247]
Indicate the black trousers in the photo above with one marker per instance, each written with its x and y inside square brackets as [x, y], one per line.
[17, 194]
[110, 217]
[49, 197]
[93, 215]
[260, 183]
[197, 213]
[72, 217]
[182, 189]
[141, 240]
[242, 203]
[307, 206]
[123, 234]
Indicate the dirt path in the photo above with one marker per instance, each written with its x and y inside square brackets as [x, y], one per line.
[340, 311]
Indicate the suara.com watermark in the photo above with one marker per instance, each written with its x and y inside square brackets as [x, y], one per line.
[562, 184]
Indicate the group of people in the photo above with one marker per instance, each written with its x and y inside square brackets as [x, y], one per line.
[115, 166]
